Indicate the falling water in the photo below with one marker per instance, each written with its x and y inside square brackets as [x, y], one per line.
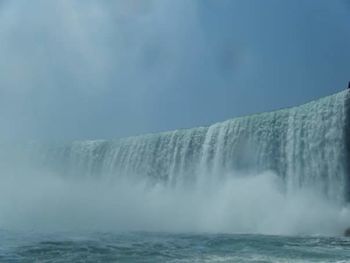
[305, 146]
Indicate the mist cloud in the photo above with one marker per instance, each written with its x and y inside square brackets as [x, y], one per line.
[92, 69]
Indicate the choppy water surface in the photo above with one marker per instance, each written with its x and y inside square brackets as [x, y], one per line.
[160, 247]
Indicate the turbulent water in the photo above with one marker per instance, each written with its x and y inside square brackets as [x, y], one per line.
[283, 173]
[147, 247]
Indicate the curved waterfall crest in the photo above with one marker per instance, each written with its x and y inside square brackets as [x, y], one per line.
[305, 145]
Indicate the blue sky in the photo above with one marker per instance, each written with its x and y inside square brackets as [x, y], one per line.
[75, 69]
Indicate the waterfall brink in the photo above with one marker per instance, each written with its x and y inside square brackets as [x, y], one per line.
[282, 172]
[305, 146]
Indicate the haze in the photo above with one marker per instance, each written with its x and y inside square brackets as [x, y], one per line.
[75, 69]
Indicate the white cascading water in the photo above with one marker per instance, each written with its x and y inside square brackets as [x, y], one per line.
[305, 145]
[283, 172]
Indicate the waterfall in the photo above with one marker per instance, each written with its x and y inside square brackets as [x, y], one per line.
[305, 145]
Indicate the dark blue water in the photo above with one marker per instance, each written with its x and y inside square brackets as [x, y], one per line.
[161, 247]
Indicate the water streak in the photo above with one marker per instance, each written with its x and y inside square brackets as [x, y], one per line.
[305, 146]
